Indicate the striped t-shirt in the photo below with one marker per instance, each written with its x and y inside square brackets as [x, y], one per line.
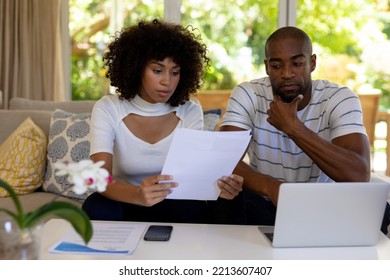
[333, 111]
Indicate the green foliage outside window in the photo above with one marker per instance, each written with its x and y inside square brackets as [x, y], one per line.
[343, 33]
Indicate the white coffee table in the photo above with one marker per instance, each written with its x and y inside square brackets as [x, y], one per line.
[215, 242]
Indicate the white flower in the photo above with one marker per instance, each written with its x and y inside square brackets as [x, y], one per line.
[84, 175]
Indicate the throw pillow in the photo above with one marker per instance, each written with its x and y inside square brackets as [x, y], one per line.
[23, 158]
[68, 142]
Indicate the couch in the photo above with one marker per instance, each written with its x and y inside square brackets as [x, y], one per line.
[41, 113]
[49, 116]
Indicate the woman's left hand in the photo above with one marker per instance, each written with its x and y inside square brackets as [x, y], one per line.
[230, 186]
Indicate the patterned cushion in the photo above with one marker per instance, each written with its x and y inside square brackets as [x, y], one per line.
[68, 142]
[211, 119]
[23, 158]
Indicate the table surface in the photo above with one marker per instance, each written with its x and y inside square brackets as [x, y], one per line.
[215, 242]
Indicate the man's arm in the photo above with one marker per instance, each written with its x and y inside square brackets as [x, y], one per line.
[258, 183]
[345, 159]
[254, 181]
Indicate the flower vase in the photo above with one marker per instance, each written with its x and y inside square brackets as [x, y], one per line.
[17, 243]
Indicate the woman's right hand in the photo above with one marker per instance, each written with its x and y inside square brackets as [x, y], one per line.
[155, 189]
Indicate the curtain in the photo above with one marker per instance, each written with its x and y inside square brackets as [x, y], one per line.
[31, 63]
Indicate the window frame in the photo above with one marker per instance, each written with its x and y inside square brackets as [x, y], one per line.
[286, 16]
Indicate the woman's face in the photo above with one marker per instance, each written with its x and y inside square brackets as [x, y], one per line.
[159, 80]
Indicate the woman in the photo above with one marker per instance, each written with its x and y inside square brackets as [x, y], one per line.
[155, 67]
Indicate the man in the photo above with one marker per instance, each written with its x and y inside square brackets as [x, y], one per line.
[302, 130]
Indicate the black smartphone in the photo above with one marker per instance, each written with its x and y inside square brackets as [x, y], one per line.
[158, 233]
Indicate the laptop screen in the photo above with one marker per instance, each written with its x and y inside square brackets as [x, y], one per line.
[329, 214]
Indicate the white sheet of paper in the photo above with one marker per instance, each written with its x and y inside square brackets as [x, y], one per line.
[108, 238]
[197, 159]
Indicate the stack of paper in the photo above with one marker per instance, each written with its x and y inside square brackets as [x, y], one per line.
[108, 238]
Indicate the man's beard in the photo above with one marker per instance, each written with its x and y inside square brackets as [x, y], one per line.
[289, 96]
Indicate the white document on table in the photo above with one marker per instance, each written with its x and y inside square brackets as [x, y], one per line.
[109, 238]
[197, 159]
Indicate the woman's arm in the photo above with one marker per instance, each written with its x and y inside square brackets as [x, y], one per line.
[151, 191]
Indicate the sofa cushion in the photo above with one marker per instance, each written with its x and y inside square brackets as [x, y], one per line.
[68, 142]
[11, 119]
[23, 158]
[80, 106]
[211, 119]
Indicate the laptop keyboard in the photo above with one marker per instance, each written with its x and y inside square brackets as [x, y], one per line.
[269, 235]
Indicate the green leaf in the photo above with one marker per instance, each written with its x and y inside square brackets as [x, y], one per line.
[10, 213]
[72, 213]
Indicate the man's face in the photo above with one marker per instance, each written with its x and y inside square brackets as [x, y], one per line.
[289, 64]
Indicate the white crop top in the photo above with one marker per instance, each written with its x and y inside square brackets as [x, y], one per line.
[133, 158]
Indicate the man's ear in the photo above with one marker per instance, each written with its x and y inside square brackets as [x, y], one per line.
[313, 62]
[266, 66]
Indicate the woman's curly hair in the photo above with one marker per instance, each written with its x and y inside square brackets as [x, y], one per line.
[135, 46]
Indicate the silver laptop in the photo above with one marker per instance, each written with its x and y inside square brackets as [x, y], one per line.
[328, 214]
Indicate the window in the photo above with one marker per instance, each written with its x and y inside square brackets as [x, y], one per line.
[91, 24]
[350, 42]
[345, 38]
[234, 31]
